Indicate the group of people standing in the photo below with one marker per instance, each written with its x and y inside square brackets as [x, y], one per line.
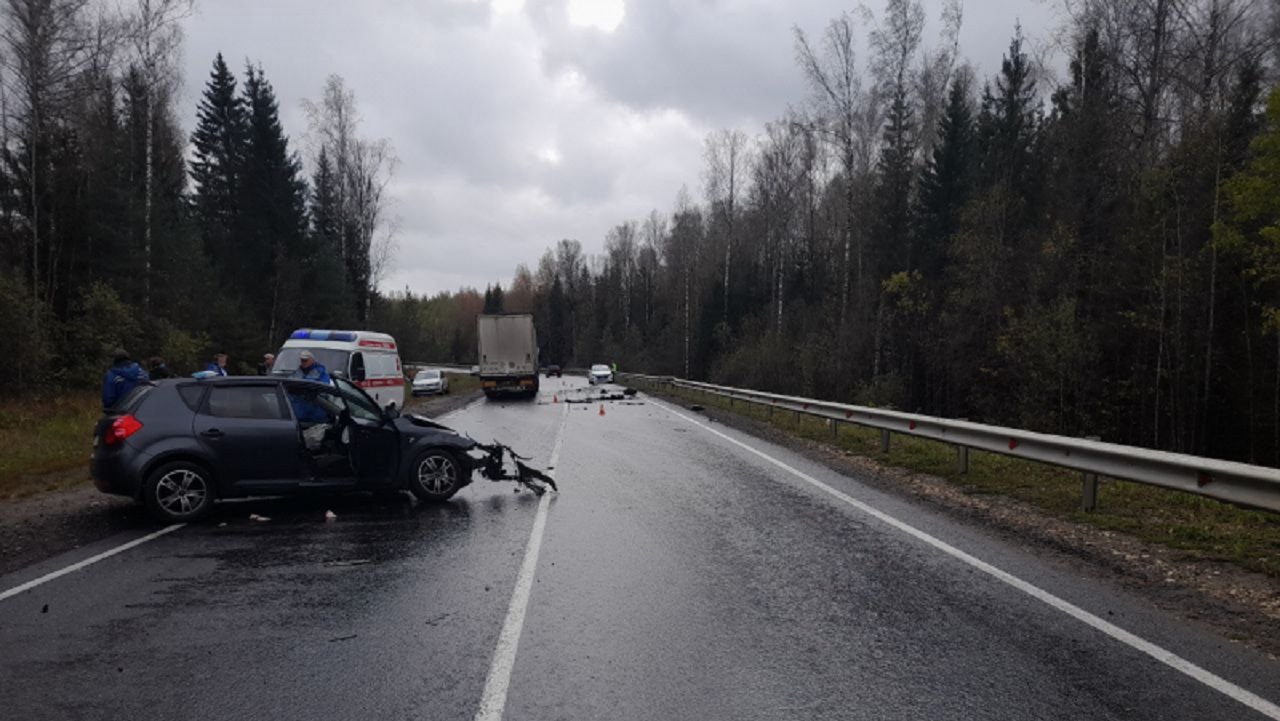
[125, 373]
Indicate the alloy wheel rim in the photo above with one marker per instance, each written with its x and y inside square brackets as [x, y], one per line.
[436, 474]
[181, 492]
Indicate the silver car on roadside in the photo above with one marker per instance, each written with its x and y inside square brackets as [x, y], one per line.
[429, 381]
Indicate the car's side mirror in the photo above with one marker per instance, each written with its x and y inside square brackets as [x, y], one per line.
[357, 374]
[392, 412]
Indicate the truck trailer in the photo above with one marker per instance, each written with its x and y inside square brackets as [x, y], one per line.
[508, 354]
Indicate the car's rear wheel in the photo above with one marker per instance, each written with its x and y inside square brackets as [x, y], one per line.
[179, 492]
[435, 476]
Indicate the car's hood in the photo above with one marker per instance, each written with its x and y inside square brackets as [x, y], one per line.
[413, 420]
[420, 428]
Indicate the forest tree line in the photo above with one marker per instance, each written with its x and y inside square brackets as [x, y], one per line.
[1095, 255]
[112, 234]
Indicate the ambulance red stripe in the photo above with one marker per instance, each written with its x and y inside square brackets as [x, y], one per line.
[377, 344]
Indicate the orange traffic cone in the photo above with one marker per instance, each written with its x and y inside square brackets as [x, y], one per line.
[601, 409]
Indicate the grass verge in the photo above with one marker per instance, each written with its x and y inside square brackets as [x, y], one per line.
[1201, 527]
[44, 441]
[463, 382]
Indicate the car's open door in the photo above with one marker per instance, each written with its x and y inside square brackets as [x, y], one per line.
[375, 442]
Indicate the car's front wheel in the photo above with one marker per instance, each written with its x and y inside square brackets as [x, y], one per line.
[435, 476]
[179, 492]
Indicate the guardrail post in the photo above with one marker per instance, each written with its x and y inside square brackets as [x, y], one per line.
[1089, 486]
[884, 441]
[962, 459]
[770, 412]
[835, 428]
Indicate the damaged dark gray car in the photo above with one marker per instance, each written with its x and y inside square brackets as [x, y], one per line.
[180, 445]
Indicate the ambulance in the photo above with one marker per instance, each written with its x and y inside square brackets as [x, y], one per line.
[369, 360]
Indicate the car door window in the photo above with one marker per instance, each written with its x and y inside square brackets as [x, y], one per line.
[313, 404]
[261, 402]
[360, 405]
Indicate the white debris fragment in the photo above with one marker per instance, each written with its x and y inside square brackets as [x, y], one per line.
[256, 517]
[330, 516]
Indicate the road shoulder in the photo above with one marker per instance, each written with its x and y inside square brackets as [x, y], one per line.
[1240, 605]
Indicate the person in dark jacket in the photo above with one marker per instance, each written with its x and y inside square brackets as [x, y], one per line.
[122, 377]
[268, 362]
[159, 370]
[219, 365]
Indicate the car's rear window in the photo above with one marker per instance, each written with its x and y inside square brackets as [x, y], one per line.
[130, 402]
[192, 394]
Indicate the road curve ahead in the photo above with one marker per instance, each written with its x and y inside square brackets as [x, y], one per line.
[684, 571]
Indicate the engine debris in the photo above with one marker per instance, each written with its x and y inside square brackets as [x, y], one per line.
[493, 466]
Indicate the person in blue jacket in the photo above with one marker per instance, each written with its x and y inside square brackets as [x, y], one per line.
[219, 365]
[123, 376]
[306, 408]
[310, 370]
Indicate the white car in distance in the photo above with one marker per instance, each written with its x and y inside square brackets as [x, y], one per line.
[429, 381]
[600, 373]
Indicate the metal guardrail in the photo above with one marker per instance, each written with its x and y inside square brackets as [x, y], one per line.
[441, 366]
[1238, 483]
[454, 367]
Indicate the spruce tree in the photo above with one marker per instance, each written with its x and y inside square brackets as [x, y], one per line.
[946, 181]
[218, 151]
[272, 217]
[329, 301]
[895, 170]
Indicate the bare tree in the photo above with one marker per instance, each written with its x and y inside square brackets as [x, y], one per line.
[47, 44]
[842, 109]
[156, 36]
[728, 159]
[936, 69]
[621, 247]
[655, 233]
[779, 176]
[364, 169]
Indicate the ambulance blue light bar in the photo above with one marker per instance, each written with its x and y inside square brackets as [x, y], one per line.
[345, 336]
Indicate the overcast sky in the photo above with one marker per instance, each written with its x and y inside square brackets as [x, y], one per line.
[520, 122]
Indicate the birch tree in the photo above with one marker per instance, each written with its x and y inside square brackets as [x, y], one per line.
[156, 36]
[363, 170]
[47, 44]
[728, 165]
[841, 108]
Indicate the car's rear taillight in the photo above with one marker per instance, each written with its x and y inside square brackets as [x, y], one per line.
[121, 428]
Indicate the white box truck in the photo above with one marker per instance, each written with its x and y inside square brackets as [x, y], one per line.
[508, 354]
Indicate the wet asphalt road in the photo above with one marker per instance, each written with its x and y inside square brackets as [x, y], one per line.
[680, 577]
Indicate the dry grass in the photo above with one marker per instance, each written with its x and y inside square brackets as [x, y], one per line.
[45, 442]
[463, 382]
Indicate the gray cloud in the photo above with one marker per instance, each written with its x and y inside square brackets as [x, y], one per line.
[514, 127]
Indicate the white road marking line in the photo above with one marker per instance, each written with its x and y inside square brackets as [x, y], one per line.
[1213, 681]
[494, 699]
[88, 561]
